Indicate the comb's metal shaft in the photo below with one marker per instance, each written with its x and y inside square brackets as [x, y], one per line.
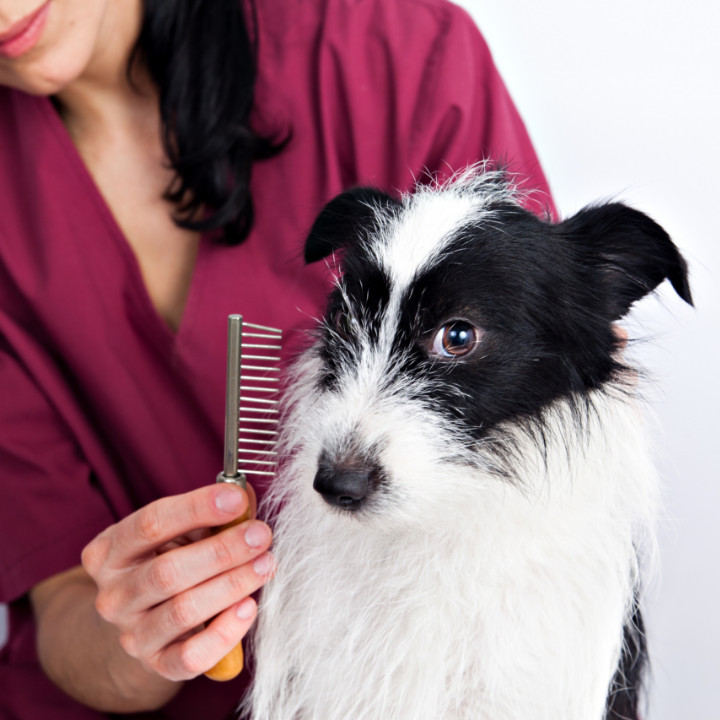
[232, 401]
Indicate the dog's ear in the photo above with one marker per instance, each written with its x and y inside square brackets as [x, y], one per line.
[631, 251]
[341, 220]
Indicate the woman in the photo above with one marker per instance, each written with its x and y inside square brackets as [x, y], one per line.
[131, 225]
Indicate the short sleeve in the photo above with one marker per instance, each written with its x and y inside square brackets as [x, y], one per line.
[400, 90]
[467, 115]
[50, 507]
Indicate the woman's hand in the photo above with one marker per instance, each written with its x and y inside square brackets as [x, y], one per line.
[159, 600]
[178, 595]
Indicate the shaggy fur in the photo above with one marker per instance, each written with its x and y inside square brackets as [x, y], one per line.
[469, 501]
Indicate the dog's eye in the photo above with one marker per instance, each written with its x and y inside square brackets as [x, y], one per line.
[455, 339]
[344, 324]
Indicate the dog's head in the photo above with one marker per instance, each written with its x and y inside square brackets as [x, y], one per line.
[458, 311]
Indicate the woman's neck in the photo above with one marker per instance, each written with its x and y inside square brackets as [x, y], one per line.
[106, 89]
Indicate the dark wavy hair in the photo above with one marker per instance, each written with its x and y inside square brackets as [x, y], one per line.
[200, 56]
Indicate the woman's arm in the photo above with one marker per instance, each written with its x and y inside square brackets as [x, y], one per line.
[121, 633]
[81, 653]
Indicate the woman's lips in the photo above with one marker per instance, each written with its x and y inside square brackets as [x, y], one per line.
[23, 35]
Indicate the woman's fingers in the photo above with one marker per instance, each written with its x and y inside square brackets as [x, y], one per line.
[203, 650]
[173, 572]
[178, 570]
[184, 613]
[156, 524]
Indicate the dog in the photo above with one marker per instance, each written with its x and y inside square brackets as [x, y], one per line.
[469, 501]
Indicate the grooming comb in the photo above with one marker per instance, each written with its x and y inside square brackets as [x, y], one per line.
[251, 419]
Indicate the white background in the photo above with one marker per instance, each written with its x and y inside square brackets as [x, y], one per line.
[622, 100]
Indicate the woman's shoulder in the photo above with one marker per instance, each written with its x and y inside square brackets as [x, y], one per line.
[368, 50]
[290, 22]
[388, 90]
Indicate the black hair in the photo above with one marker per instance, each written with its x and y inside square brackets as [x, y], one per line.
[200, 56]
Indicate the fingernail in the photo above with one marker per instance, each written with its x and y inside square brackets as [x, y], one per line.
[245, 609]
[229, 501]
[257, 534]
[264, 565]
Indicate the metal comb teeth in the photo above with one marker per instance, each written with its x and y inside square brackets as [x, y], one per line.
[251, 422]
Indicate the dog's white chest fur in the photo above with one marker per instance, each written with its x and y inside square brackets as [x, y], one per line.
[497, 603]
[488, 569]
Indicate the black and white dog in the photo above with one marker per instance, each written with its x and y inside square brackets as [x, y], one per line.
[469, 505]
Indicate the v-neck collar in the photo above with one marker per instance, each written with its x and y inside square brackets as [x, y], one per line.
[157, 325]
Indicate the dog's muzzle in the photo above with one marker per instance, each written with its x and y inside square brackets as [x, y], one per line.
[343, 486]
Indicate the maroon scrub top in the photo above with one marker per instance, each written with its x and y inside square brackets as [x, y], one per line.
[103, 408]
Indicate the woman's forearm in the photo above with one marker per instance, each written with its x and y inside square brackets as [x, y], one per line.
[81, 653]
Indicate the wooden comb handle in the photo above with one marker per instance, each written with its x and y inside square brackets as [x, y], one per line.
[228, 667]
[231, 665]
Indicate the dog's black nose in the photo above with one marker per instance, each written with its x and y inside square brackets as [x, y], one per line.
[344, 487]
